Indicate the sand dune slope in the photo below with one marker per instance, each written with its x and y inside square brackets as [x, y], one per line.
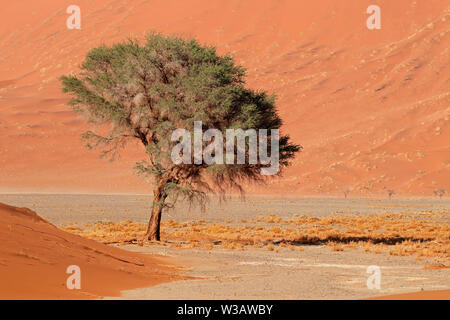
[423, 295]
[34, 256]
[371, 108]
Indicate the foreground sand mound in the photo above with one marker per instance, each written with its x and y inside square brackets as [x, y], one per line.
[423, 295]
[34, 256]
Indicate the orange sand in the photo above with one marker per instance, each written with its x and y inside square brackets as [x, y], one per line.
[423, 295]
[371, 108]
[34, 256]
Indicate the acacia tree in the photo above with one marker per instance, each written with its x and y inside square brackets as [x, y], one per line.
[146, 91]
[439, 192]
[346, 192]
[390, 193]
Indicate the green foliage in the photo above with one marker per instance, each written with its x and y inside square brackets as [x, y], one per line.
[146, 91]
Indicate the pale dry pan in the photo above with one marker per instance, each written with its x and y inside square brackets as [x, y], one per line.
[315, 273]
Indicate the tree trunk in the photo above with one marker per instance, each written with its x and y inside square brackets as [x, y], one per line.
[159, 197]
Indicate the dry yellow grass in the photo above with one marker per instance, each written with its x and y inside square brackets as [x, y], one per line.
[436, 266]
[426, 234]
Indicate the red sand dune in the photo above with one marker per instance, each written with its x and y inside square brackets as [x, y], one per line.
[423, 295]
[34, 257]
[371, 108]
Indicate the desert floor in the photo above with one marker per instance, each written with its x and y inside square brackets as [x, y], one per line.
[314, 272]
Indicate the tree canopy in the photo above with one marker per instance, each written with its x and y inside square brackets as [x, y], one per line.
[146, 91]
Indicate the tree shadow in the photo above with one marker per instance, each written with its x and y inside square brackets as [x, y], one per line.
[349, 239]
